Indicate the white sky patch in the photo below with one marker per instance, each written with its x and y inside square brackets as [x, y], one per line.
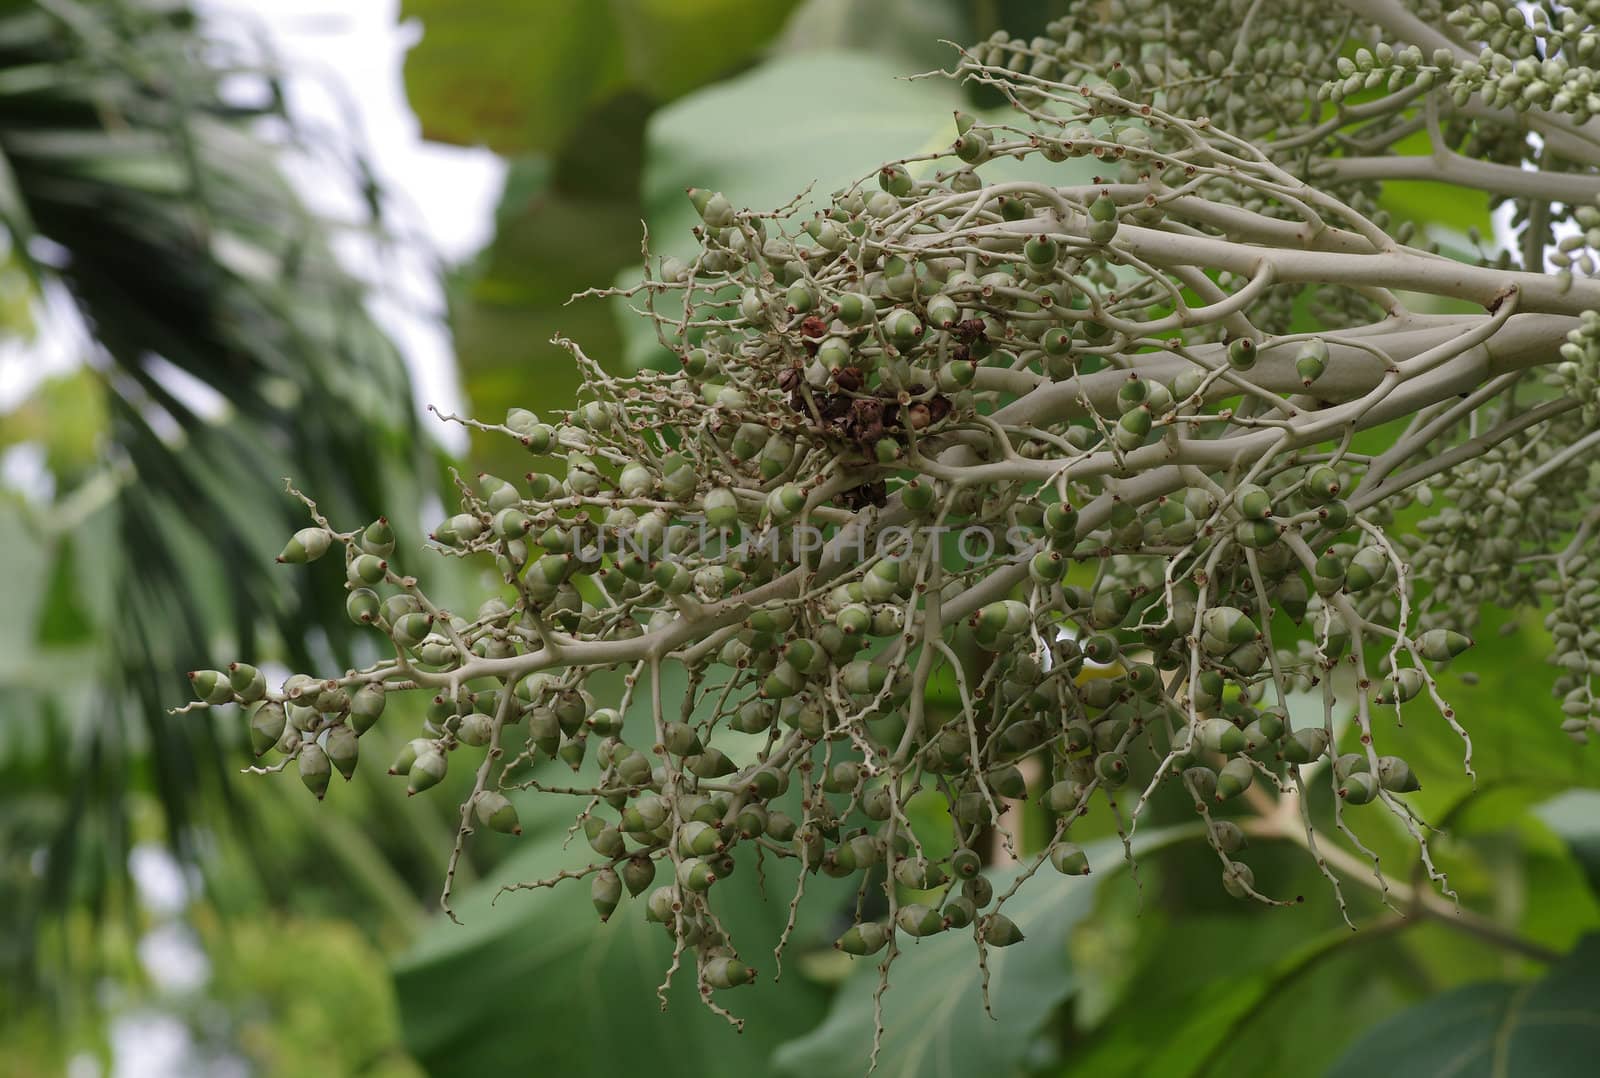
[346, 76]
[344, 81]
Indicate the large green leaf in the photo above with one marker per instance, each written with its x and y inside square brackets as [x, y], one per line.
[537, 980]
[1549, 1028]
[520, 77]
[933, 1014]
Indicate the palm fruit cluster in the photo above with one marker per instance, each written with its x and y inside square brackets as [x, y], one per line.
[981, 437]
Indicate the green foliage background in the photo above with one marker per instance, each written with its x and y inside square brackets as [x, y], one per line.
[319, 920]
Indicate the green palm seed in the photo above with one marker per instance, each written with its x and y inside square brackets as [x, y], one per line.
[1234, 778]
[1069, 859]
[694, 874]
[712, 206]
[248, 683]
[1000, 931]
[1305, 746]
[725, 972]
[306, 545]
[363, 606]
[1311, 361]
[917, 920]
[866, 938]
[266, 726]
[315, 770]
[1238, 880]
[367, 569]
[427, 771]
[959, 912]
[605, 891]
[638, 872]
[339, 743]
[902, 327]
[1439, 645]
[1227, 836]
[1395, 775]
[1111, 768]
[378, 538]
[1359, 788]
[212, 686]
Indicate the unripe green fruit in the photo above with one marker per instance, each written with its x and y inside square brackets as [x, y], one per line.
[315, 770]
[972, 147]
[659, 906]
[1227, 836]
[1335, 516]
[266, 726]
[476, 730]
[1131, 429]
[781, 827]
[1366, 569]
[721, 507]
[698, 839]
[785, 503]
[1253, 502]
[902, 327]
[1225, 628]
[1000, 931]
[1220, 735]
[1056, 341]
[605, 891]
[603, 839]
[713, 763]
[1439, 645]
[1241, 353]
[1312, 361]
[378, 538]
[248, 683]
[212, 686]
[363, 606]
[1063, 796]
[725, 972]
[1234, 778]
[1102, 232]
[427, 771]
[863, 678]
[495, 811]
[1306, 745]
[866, 938]
[1201, 782]
[915, 919]
[1395, 775]
[943, 312]
[1111, 768]
[960, 912]
[1328, 574]
[800, 297]
[1238, 880]
[367, 569]
[1359, 788]
[306, 545]
[638, 872]
[572, 752]
[712, 206]
[339, 743]
[853, 308]
[695, 875]
[1069, 859]
[965, 864]
[1405, 685]
[1322, 485]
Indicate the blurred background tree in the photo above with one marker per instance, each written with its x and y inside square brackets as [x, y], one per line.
[143, 191]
